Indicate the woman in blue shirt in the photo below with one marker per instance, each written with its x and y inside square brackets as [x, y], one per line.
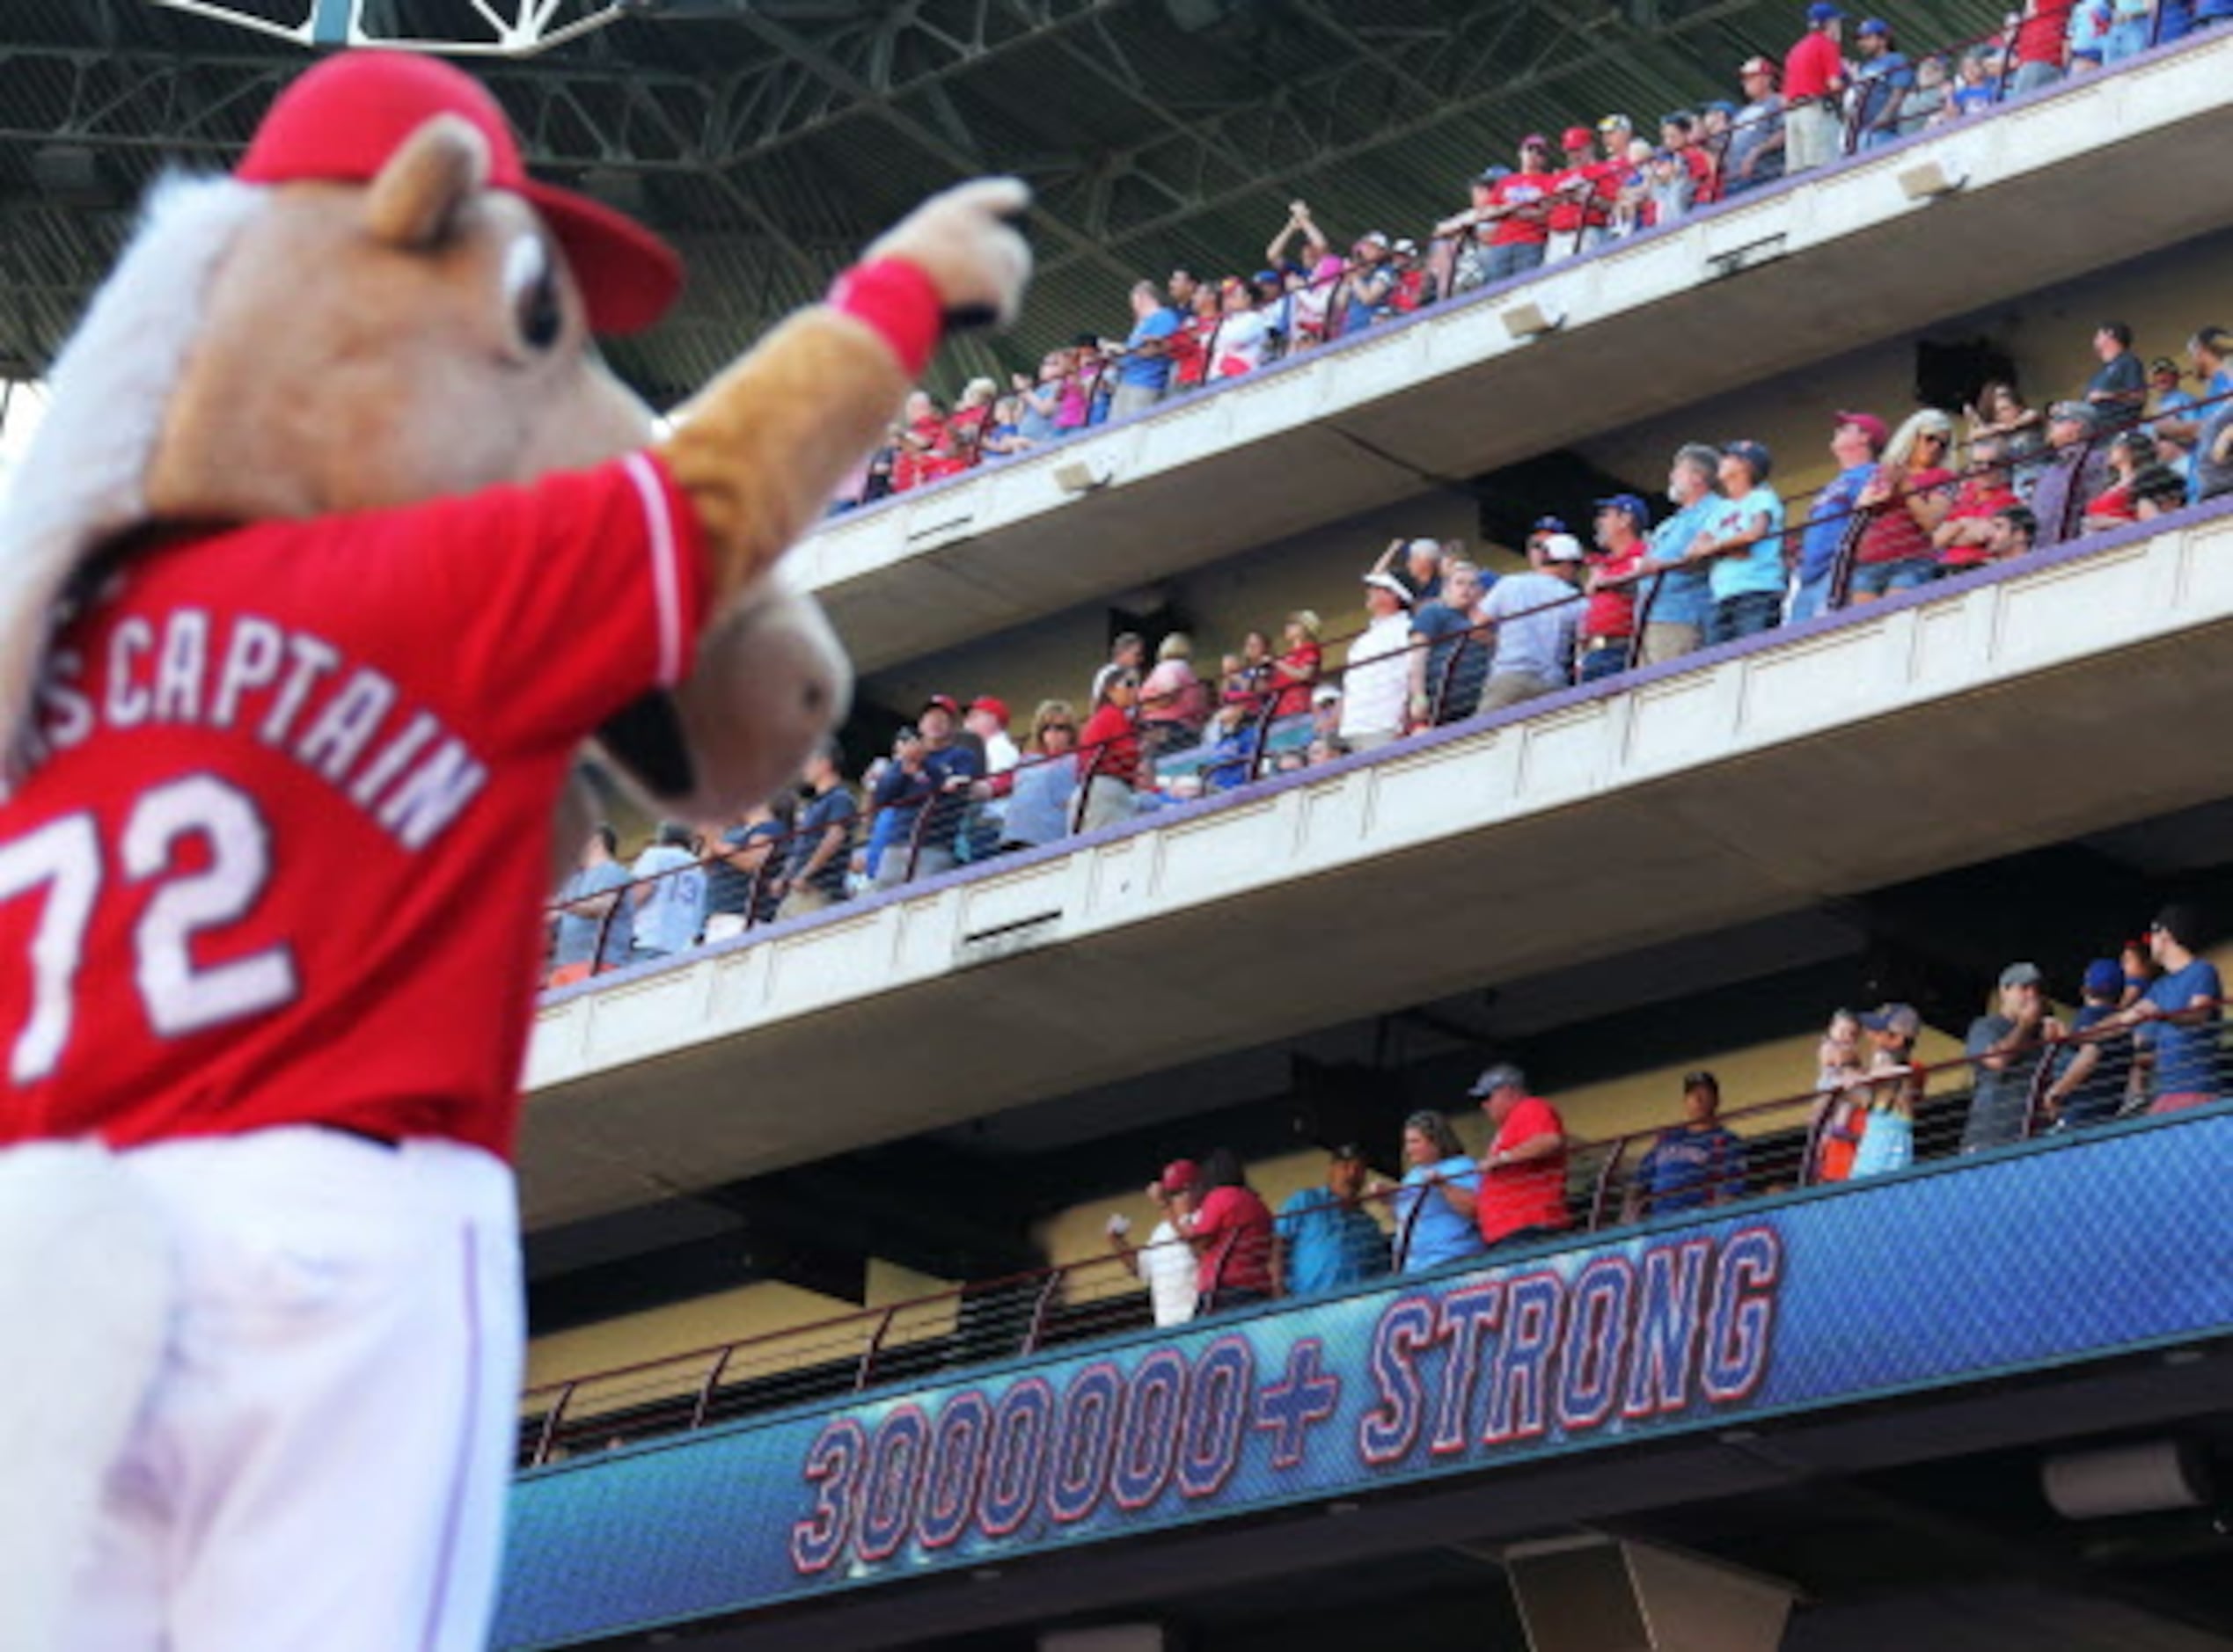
[1430, 1230]
[1743, 545]
[1045, 783]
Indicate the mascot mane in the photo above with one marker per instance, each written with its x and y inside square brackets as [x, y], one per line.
[81, 482]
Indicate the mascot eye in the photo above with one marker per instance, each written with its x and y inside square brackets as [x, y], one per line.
[530, 287]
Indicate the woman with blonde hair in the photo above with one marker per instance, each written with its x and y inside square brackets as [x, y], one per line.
[1045, 783]
[1295, 672]
[1903, 504]
[1174, 704]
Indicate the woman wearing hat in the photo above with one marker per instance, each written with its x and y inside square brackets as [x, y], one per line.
[1108, 749]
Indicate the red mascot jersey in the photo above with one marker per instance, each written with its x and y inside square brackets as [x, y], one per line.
[283, 856]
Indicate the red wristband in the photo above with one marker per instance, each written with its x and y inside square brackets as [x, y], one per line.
[898, 301]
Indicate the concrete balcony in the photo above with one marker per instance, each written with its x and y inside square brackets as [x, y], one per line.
[2086, 175]
[1979, 717]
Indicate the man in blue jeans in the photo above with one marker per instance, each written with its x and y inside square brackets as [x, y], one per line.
[1743, 546]
[1855, 444]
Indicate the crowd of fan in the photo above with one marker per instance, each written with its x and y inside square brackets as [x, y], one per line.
[1597, 186]
[1444, 640]
[2146, 1038]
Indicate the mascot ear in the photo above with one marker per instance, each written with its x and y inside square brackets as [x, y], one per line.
[415, 202]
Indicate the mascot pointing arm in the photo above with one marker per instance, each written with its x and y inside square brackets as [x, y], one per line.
[335, 547]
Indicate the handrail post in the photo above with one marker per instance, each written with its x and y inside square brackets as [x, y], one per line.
[1266, 716]
[706, 1389]
[1604, 1183]
[1038, 1325]
[1825, 1105]
[549, 1436]
[876, 1346]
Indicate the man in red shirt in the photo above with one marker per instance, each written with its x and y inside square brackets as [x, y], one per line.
[1520, 205]
[2042, 41]
[1680, 132]
[1965, 539]
[1577, 221]
[1813, 78]
[1523, 1174]
[1607, 630]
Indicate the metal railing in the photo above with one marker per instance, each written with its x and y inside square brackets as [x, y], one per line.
[1673, 1168]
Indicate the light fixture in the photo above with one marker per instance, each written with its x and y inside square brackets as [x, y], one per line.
[1929, 178]
[2149, 1477]
[1531, 319]
[1081, 475]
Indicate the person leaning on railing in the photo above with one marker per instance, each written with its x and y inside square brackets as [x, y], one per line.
[2179, 1019]
[593, 915]
[1742, 546]
[1534, 615]
[1041, 796]
[1108, 750]
[1607, 630]
[1434, 1207]
[1230, 1230]
[1679, 594]
[1325, 1237]
[812, 878]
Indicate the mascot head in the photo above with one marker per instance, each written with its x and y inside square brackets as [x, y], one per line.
[379, 307]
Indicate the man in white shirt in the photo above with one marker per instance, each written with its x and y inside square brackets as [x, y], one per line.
[670, 893]
[1166, 1264]
[987, 718]
[1377, 681]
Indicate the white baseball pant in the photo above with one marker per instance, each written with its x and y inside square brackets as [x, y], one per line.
[323, 1458]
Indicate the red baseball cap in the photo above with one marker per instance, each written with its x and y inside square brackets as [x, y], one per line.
[1875, 428]
[1578, 137]
[341, 120]
[991, 703]
[945, 703]
[1178, 1176]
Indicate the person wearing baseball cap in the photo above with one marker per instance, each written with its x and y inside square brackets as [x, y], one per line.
[1856, 443]
[931, 782]
[1814, 82]
[1535, 614]
[2005, 1047]
[2093, 1074]
[1742, 546]
[1580, 190]
[1376, 682]
[1324, 1238]
[1165, 1262]
[1882, 80]
[1607, 630]
[987, 723]
[1755, 156]
[2076, 469]
[1888, 1136]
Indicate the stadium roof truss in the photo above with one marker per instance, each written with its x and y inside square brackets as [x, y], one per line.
[771, 139]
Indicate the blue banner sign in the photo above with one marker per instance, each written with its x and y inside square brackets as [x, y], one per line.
[1949, 1275]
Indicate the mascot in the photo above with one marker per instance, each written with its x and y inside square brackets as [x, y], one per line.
[335, 546]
